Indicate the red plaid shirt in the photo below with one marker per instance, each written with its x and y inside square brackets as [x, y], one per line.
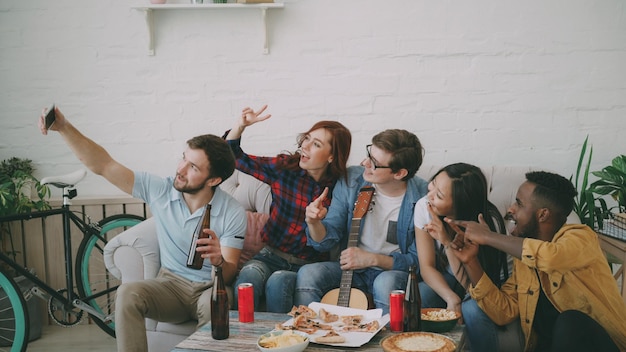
[292, 191]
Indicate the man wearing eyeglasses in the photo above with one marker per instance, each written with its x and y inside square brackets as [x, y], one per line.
[386, 240]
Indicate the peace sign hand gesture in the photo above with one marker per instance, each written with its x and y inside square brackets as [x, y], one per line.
[250, 117]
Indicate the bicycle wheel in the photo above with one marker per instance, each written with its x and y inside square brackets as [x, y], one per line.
[14, 324]
[95, 284]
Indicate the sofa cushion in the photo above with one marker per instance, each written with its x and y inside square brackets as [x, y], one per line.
[253, 243]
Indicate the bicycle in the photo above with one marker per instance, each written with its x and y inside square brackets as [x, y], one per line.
[96, 287]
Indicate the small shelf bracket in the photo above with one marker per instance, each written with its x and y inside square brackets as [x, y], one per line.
[266, 43]
[149, 17]
[150, 25]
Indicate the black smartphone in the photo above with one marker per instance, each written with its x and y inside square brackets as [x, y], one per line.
[50, 117]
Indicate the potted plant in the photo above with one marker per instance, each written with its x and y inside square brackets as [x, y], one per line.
[20, 192]
[590, 204]
[611, 181]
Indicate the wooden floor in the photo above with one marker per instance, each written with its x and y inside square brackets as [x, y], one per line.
[80, 338]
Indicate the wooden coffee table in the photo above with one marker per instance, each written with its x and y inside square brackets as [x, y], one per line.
[243, 336]
[617, 248]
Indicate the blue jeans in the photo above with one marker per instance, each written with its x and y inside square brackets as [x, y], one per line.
[430, 298]
[273, 278]
[315, 280]
[485, 335]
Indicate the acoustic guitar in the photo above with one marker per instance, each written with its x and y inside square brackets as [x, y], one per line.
[345, 295]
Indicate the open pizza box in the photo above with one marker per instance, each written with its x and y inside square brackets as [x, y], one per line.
[353, 338]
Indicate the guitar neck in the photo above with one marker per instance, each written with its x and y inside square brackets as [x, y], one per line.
[345, 286]
[353, 238]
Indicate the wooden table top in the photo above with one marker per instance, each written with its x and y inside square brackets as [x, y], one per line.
[243, 336]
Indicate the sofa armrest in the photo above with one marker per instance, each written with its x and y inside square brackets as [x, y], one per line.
[251, 193]
[134, 254]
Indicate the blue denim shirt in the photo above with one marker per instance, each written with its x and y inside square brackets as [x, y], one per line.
[337, 221]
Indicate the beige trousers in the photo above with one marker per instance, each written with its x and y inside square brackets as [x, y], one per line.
[168, 298]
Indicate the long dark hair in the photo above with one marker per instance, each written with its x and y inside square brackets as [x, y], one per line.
[469, 198]
[340, 142]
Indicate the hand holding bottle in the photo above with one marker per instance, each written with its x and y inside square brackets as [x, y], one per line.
[209, 248]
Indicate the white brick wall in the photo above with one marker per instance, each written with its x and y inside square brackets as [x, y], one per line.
[486, 82]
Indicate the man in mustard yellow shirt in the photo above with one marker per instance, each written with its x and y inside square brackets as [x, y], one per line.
[561, 288]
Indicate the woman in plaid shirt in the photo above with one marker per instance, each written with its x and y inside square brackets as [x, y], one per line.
[296, 180]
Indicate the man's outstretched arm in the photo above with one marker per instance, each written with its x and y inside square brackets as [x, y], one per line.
[91, 154]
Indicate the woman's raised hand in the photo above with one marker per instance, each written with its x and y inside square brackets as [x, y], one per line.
[250, 117]
[435, 227]
[316, 210]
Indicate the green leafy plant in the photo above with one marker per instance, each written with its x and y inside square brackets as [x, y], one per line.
[612, 181]
[584, 203]
[17, 184]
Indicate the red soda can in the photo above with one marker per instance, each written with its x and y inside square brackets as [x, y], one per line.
[245, 301]
[396, 310]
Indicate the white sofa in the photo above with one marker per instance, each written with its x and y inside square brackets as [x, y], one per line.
[134, 254]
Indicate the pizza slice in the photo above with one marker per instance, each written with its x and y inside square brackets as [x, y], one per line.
[302, 321]
[308, 330]
[328, 317]
[372, 326]
[351, 319]
[331, 337]
[302, 310]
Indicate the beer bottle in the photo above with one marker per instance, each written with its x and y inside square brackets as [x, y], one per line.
[412, 303]
[219, 307]
[194, 260]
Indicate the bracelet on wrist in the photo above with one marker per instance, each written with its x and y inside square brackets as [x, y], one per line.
[221, 262]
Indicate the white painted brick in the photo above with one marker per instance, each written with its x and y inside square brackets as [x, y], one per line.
[483, 82]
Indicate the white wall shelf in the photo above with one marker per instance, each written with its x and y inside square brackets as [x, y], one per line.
[263, 7]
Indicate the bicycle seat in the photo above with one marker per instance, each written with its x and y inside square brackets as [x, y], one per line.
[68, 180]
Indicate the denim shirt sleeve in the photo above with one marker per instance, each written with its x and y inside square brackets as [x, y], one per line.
[339, 216]
[408, 257]
[335, 220]
[416, 189]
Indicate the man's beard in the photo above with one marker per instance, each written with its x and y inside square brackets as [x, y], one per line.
[191, 189]
[531, 229]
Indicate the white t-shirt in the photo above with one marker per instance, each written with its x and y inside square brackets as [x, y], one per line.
[380, 225]
[421, 217]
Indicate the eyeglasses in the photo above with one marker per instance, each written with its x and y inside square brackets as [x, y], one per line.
[368, 148]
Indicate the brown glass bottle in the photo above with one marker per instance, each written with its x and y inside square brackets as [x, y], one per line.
[412, 303]
[194, 260]
[220, 328]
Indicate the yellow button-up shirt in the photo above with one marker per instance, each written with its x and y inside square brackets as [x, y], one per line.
[574, 276]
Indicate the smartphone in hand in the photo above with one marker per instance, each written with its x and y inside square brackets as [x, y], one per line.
[50, 117]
